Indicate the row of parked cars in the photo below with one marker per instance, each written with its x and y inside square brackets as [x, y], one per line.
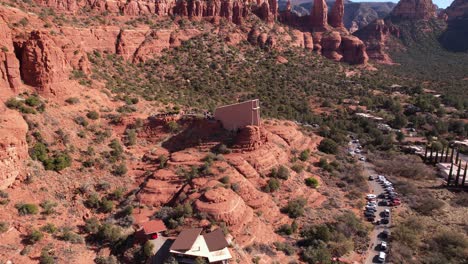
[390, 197]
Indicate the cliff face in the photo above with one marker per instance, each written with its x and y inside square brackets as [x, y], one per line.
[455, 38]
[13, 146]
[10, 79]
[319, 14]
[414, 10]
[337, 14]
[42, 62]
[233, 10]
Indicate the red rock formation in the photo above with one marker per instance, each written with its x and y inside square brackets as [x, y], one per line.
[330, 45]
[319, 15]
[414, 9]
[308, 41]
[128, 42]
[375, 36]
[250, 138]
[9, 64]
[13, 146]
[42, 62]
[354, 50]
[336, 15]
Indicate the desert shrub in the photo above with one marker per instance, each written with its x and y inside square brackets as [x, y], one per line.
[235, 187]
[48, 207]
[319, 254]
[131, 137]
[46, 258]
[91, 225]
[297, 167]
[225, 179]
[109, 233]
[81, 121]
[408, 166]
[26, 209]
[328, 146]
[173, 127]
[285, 230]
[304, 155]
[120, 169]
[272, 185]
[222, 149]
[288, 249]
[148, 249]
[93, 115]
[294, 208]
[49, 228]
[3, 227]
[118, 193]
[106, 206]
[70, 236]
[72, 100]
[426, 205]
[312, 182]
[35, 236]
[106, 260]
[162, 161]
[92, 201]
[117, 149]
[449, 246]
[282, 173]
[39, 152]
[33, 101]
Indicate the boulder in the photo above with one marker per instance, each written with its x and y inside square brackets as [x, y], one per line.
[330, 45]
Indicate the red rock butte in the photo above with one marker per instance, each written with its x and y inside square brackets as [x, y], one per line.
[237, 116]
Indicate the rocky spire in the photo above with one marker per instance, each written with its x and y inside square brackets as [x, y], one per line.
[337, 13]
[414, 10]
[319, 14]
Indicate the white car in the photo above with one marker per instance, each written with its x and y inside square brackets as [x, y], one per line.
[357, 151]
[371, 196]
[383, 245]
[382, 256]
[373, 204]
[362, 159]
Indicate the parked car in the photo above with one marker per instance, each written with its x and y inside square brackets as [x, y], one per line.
[382, 256]
[371, 178]
[384, 221]
[386, 213]
[369, 214]
[371, 204]
[371, 196]
[383, 245]
[362, 158]
[384, 234]
[384, 202]
[371, 209]
[395, 202]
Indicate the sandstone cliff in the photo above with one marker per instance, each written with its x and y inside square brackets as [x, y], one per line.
[9, 64]
[337, 14]
[13, 146]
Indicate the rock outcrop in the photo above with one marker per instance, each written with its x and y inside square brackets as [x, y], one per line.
[375, 36]
[250, 138]
[337, 14]
[13, 146]
[319, 15]
[330, 45]
[414, 9]
[354, 50]
[458, 9]
[9, 64]
[42, 62]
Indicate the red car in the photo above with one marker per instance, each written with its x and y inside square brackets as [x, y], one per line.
[396, 202]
